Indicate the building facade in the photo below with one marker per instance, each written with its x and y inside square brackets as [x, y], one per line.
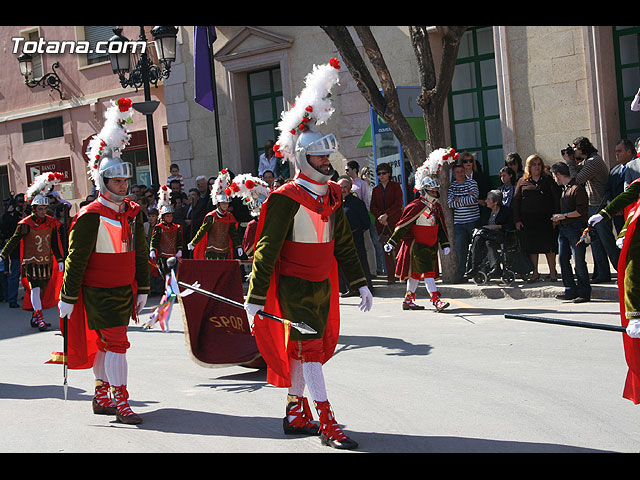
[43, 129]
[525, 89]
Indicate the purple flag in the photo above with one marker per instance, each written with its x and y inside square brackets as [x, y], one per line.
[203, 66]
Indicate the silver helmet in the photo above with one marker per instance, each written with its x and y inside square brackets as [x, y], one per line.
[39, 199]
[312, 142]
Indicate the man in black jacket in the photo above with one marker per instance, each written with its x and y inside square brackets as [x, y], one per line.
[358, 217]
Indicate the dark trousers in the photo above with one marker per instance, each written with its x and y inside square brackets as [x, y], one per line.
[568, 237]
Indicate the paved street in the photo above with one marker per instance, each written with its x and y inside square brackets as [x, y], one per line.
[465, 380]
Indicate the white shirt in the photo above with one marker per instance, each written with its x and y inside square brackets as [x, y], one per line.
[362, 190]
[265, 164]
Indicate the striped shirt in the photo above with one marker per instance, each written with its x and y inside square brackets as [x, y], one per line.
[463, 199]
[594, 174]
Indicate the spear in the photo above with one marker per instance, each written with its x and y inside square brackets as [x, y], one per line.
[300, 326]
[64, 362]
[569, 323]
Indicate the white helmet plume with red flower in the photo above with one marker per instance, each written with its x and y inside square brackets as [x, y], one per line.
[113, 137]
[164, 200]
[221, 191]
[427, 174]
[252, 190]
[311, 107]
[40, 185]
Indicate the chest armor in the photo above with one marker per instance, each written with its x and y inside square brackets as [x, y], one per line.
[426, 220]
[111, 238]
[308, 227]
[218, 239]
[37, 246]
[168, 243]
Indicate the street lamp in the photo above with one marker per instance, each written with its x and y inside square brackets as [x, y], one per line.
[145, 73]
[51, 79]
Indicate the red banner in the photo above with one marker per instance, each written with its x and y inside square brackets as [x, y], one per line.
[217, 334]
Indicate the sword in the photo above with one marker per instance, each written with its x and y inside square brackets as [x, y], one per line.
[64, 353]
[300, 326]
[569, 323]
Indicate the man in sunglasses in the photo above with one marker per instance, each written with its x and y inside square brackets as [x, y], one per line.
[386, 206]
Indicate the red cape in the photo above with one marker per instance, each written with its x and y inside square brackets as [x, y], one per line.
[631, 345]
[409, 214]
[270, 334]
[200, 249]
[51, 294]
[81, 341]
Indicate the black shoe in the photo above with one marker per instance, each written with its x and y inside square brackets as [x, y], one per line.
[345, 444]
[601, 280]
[14, 305]
[565, 296]
[581, 300]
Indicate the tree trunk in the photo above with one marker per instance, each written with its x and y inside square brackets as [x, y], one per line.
[432, 100]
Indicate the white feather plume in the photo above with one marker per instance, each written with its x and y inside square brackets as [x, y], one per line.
[113, 137]
[42, 182]
[311, 107]
[253, 191]
[434, 163]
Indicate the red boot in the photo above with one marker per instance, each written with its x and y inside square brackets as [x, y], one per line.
[439, 304]
[124, 413]
[330, 432]
[409, 302]
[102, 402]
[300, 424]
[38, 319]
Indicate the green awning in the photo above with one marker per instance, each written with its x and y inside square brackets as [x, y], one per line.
[416, 124]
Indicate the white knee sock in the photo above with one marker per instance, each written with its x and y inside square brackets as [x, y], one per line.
[297, 378]
[98, 367]
[412, 284]
[430, 283]
[115, 365]
[314, 378]
[35, 298]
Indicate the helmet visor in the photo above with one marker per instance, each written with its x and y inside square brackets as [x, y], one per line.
[120, 170]
[323, 146]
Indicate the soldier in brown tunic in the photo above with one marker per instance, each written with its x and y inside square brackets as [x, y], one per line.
[39, 241]
[218, 236]
[166, 238]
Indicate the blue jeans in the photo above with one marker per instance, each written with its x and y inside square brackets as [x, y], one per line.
[568, 237]
[599, 242]
[604, 230]
[462, 234]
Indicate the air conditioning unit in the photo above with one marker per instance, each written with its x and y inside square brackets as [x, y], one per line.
[67, 190]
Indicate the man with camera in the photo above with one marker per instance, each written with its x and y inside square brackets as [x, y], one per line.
[587, 167]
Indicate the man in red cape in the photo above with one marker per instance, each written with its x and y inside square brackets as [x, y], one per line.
[38, 236]
[106, 280]
[301, 236]
[628, 282]
[420, 231]
[218, 235]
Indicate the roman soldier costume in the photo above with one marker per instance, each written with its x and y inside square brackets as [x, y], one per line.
[301, 236]
[218, 235]
[106, 279]
[420, 231]
[38, 236]
[166, 238]
[628, 281]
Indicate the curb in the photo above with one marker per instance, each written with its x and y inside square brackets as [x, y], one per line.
[496, 290]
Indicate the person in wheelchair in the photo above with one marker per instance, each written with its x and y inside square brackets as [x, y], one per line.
[496, 221]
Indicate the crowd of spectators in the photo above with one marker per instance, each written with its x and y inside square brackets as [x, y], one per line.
[531, 201]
